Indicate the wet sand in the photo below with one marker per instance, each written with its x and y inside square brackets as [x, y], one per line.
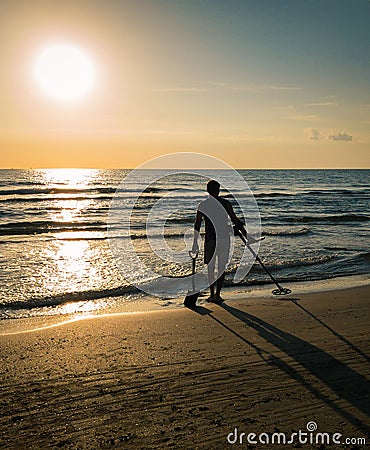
[186, 379]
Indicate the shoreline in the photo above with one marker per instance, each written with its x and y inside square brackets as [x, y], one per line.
[36, 324]
[80, 309]
[186, 379]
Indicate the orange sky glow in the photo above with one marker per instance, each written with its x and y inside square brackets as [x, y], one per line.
[186, 76]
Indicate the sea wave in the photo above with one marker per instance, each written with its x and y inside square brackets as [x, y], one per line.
[327, 192]
[287, 232]
[48, 199]
[47, 226]
[261, 195]
[52, 190]
[364, 256]
[333, 218]
[61, 299]
[257, 277]
[304, 193]
[338, 248]
[300, 262]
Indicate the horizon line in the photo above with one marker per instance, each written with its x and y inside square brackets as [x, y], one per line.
[182, 168]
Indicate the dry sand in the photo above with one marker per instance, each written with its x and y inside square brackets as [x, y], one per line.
[185, 379]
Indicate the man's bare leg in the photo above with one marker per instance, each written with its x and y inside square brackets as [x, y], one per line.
[211, 279]
[219, 284]
[222, 263]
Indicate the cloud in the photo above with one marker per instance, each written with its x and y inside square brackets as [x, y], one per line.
[340, 137]
[284, 107]
[305, 117]
[259, 139]
[312, 134]
[181, 89]
[253, 87]
[322, 104]
[227, 87]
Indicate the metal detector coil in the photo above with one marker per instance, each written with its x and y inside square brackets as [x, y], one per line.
[282, 291]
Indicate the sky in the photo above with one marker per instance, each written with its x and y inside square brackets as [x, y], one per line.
[257, 83]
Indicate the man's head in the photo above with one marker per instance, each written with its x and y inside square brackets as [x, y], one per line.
[213, 188]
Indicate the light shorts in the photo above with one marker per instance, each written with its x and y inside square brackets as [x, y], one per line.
[223, 250]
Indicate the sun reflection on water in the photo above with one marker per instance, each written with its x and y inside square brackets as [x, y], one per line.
[73, 268]
[71, 178]
[66, 204]
[72, 259]
[68, 210]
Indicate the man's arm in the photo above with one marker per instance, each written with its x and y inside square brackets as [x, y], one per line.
[235, 220]
[238, 223]
[198, 221]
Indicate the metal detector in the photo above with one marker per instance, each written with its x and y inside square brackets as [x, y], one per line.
[280, 289]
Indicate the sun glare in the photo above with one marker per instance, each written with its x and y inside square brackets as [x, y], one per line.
[73, 178]
[64, 72]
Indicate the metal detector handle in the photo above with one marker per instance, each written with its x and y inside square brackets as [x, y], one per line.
[242, 237]
[193, 257]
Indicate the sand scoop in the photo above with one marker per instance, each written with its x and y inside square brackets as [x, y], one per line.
[280, 289]
[192, 296]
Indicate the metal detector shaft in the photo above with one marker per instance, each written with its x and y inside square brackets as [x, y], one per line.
[282, 290]
[193, 273]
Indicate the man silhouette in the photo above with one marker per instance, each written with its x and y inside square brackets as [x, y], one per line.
[216, 212]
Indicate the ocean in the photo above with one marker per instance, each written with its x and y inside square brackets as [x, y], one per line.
[56, 255]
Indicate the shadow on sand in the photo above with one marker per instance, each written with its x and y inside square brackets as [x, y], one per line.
[335, 333]
[337, 376]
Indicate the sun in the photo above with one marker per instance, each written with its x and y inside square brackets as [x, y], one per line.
[64, 72]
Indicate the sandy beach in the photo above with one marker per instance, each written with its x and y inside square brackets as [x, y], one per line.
[187, 379]
[153, 151]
